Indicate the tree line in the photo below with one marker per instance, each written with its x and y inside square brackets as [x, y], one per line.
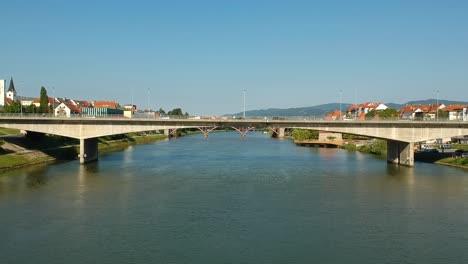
[43, 108]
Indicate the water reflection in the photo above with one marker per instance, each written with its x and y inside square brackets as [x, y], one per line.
[402, 174]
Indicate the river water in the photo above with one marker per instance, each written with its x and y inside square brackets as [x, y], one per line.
[227, 200]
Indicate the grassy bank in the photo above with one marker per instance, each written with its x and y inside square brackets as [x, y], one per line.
[55, 148]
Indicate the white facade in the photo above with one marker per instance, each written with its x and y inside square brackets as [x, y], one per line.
[2, 93]
[62, 110]
[381, 107]
[11, 95]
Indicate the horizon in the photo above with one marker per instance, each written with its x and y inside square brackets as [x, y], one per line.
[202, 56]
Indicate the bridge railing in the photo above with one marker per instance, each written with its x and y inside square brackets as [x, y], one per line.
[257, 118]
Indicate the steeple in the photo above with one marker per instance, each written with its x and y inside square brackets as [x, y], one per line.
[11, 88]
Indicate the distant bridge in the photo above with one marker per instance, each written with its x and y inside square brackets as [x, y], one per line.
[400, 135]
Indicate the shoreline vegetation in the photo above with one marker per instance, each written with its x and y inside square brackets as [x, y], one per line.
[378, 148]
[17, 151]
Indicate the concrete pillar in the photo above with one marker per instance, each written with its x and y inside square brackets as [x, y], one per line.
[166, 132]
[281, 132]
[401, 153]
[88, 150]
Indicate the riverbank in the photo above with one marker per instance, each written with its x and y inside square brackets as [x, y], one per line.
[18, 151]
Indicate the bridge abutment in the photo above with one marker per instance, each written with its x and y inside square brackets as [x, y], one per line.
[401, 153]
[281, 132]
[88, 150]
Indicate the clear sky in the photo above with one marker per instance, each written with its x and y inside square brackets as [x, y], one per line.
[200, 55]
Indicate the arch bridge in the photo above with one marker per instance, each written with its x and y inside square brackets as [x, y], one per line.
[400, 135]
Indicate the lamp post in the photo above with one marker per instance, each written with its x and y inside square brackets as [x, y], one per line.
[244, 103]
[341, 117]
[53, 101]
[148, 100]
[437, 106]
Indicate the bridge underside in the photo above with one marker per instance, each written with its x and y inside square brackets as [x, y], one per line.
[400, 136]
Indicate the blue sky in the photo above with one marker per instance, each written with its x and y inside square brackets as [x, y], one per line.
[201, 55]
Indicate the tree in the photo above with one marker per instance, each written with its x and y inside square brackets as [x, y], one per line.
[175, 112]
[442, 114]
[44, 101]
[383, 114]
[14, 107]
[161, 111]
[304, 134]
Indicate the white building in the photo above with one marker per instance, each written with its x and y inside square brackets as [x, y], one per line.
[2, 93]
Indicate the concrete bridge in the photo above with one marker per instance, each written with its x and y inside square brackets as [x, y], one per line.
[400, 135]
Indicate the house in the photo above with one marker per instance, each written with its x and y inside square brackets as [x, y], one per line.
[66, 109]
[457, 112]
[52, 102]
[105, 104]
[359, 111]
[420, 112]
[336, 115]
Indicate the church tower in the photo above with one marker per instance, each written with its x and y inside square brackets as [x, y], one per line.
[11, 93]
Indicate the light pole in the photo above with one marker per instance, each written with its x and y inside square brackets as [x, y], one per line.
[341, 118]
[53, 101]
[437, 106]
[244, 103]
[148, 100]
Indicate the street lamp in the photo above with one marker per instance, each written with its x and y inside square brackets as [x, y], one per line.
[148, 100]
[53, 101]
[437, 106]
[341, 118]
[244, 103]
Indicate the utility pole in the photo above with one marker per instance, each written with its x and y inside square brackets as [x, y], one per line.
[148, 100]
[437, 106]
[244, 103]
[341, 117]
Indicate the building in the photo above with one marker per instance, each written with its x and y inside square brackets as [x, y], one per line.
[101, 112]
[420, 112]
[2, 93]
[11, 92]
[359, 111]
[66, 110]
[106, 104]
[336, 115]
[457, 112]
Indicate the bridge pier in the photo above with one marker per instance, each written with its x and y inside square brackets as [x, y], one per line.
[243, 130]
[88, 150]
[170, 132]
[281, 132]
[206, 130]
[401, 153]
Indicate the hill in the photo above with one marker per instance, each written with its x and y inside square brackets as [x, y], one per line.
[322, 110]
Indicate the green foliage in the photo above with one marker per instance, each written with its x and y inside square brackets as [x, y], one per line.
[44, 101]
[304, 134]
[383, 114]
[354, 137]
[177, 112]
[31, 109]
[377, 147]
[441, 114]
[161, 111]
[460, 146]
[15, 107]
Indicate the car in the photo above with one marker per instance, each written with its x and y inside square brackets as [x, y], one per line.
[458, 153]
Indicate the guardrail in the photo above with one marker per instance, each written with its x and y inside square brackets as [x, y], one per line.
[256, 118]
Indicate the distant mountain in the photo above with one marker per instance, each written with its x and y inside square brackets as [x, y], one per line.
[322, 110]
[318, 110]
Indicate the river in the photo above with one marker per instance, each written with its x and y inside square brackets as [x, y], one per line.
[227, 200]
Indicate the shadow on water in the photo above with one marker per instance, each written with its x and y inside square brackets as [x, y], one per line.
[400, 173]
